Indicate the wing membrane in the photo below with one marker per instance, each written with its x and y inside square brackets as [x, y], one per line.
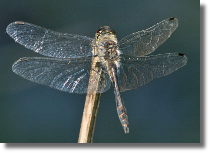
[48, 42]
[135, 72]
[69, 75]
[146, 41]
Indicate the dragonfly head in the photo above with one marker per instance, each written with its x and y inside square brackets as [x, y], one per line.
[105, 30]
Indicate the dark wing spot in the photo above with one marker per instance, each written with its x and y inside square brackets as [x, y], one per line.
[19, 22]
[180, 54]
[172, 18]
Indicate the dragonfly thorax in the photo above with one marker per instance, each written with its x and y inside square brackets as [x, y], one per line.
[111, 52]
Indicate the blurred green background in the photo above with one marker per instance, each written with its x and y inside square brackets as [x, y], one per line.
[165, 110]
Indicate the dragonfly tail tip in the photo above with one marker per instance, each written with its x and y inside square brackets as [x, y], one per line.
[126, 129]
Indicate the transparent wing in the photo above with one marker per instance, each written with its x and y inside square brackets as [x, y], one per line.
[69, 75]
[135, 72]
[48, 42]
[146, 41]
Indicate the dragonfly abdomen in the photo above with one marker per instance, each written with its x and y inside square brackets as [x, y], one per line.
[122, 113]
[121, 110]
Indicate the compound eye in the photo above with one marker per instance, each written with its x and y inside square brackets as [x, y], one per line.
[113, 32]
[99, 31]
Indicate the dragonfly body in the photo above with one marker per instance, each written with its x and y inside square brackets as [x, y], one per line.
[124, 63]
[108, 51]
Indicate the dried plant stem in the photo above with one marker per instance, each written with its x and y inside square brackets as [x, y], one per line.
[91, 106]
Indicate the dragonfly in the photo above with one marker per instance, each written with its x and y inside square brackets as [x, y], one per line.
[126, 64]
